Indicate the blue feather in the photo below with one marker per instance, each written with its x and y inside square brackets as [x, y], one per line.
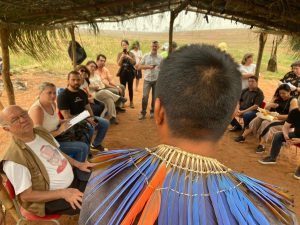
[182, 199]
[172, 217]
[196, 201]
[120, 189]
[207, 214]
[132, 195]
[162, 217]
[190, 210]
[217, 200]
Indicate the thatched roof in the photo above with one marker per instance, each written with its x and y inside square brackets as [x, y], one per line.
[283, 15]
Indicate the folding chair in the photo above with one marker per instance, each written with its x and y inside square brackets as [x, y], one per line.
[23, 214]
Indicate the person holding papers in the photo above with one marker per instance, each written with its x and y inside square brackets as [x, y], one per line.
[43, 113]
[292, 78]
[73, 101]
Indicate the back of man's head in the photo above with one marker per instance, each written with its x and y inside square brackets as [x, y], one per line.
[199, 87]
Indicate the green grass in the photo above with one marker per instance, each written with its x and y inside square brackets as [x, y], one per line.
[239, 42]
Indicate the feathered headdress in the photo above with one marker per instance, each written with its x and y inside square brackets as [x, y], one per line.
[166, 185]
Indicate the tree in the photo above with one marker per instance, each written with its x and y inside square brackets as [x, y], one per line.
[272, 64]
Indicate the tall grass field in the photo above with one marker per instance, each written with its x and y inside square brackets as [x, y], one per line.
[239, 41]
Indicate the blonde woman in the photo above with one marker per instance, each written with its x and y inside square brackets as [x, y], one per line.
[43, 113]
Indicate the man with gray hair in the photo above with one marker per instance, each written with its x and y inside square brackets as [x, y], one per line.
[291, 138]
[150, 63]
[42, 176]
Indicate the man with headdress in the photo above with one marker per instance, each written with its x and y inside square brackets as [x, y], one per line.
[177, 182]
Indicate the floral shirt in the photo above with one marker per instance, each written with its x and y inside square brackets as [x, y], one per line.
[292, 78]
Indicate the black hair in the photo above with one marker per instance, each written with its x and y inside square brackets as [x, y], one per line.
[91, 62]
[296, 64]
[126, 41]
[285, 87]
[83, 67]
[253, 78]
[101, 55]
[73, 72]
[199, 87]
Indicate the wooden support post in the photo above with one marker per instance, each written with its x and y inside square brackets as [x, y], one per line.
[173, 14]
[172, 19]
[72, 32]
[262, 41]
[4, 32]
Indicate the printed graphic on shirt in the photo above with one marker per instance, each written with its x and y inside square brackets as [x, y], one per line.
[53, 157]
[78, 99]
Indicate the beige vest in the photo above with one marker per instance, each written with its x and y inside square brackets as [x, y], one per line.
[20, 153]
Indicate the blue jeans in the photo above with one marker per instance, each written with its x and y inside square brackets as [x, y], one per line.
[78, 151]
[277, 143]
[247, 117]
[101, 127]
[146, 90]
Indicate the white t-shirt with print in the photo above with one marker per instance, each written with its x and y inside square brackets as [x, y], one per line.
[57, 166]
[247, 69]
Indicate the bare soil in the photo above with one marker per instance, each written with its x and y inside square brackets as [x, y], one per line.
[134, 133]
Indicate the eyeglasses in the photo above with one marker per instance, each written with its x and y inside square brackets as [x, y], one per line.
[82, 71]
[16, 119]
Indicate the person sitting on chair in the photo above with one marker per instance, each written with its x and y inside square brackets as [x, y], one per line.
[282, 103]
[42, 176]
[251, 98]
[290, 138]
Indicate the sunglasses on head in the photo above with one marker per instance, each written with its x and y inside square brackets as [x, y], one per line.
[82, 71]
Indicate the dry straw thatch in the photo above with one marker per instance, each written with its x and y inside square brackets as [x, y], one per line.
[36, 25]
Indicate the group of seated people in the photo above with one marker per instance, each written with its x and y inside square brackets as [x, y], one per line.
[45, 128]
[277, 121]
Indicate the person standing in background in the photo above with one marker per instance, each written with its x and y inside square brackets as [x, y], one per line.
[136, 50]
[126, 61]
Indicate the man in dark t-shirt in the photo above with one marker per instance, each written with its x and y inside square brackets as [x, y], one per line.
[73, 101]
[291, 138]
[251, 98]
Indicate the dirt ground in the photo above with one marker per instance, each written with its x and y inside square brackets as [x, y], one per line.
[134, 133]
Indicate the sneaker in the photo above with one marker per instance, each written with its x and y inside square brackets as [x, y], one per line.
[260, 149]
[235, 128]
[142, 116]
[131, 105]
[119, 109]
[297, 173]
[267, 160]
[97, 149]
[240, 139]
[151, 115]
[114, 120]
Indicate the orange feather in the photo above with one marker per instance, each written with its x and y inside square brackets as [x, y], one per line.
[151, 210]
[145, 195]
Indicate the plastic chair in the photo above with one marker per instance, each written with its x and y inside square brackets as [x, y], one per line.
[23, 214]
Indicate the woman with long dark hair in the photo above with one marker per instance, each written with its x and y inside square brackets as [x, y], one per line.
[126, 61]
[282, 103]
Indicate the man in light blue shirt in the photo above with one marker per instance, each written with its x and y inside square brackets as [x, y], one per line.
[151, 64]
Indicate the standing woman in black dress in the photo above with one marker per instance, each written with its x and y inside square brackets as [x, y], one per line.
[126, 61]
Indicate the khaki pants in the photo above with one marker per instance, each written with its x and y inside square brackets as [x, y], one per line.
[109, 99]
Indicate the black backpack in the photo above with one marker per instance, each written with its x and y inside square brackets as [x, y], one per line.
[80, 53]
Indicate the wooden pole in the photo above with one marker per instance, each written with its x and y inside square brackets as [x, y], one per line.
[262, 41]
[74, 56]
[173, 14]
[172, 19]
[4, 32]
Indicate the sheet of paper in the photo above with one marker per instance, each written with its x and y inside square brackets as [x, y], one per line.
[79, 118]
